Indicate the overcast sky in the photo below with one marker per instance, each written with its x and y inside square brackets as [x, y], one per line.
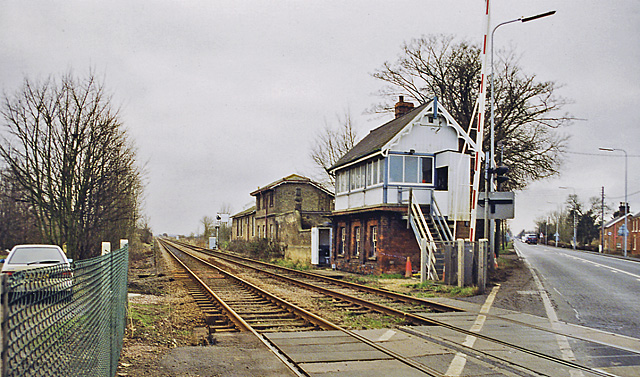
[222, 97]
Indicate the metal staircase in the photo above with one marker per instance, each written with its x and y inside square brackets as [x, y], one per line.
[432, 233]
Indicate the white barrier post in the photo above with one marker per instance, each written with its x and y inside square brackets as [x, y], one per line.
[461, 263]
[106, 248]
[482, 265]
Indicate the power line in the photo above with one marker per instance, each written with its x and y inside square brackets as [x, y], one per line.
[620, 197]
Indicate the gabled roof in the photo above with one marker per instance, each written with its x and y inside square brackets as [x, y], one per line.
[382, 138]
[293, 178]
[611, 223]
[377, 138]
[246, 212]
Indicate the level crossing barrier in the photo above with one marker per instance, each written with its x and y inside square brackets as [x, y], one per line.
[61, 321]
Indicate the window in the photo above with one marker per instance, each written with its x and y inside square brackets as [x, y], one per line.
[271, 199]
[342, 238]
[411, 169]
[442, 178]
[342, 181]
[377, 177]
[373, 252]
[356, 237]
[427, 169]
[357, 177]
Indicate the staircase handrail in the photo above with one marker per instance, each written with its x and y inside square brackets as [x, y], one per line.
[415, 212]
[440, 220]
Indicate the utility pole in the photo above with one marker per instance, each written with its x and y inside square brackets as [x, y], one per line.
[602, 224]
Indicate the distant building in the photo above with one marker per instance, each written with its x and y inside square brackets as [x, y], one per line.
[290, 211]
[614, 238]
[422, 152]
[243, 225]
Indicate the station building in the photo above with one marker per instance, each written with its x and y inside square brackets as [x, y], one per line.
[294, 211]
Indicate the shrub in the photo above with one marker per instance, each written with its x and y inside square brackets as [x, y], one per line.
[260, 248]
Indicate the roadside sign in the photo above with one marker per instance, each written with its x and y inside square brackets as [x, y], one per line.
[623, 231]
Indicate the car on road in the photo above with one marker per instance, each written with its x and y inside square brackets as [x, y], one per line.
[531, 239]
[47, 270]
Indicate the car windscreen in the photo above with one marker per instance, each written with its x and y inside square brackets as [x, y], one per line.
[36, 254]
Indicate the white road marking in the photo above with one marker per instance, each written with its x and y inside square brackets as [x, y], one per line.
[612, 269]
[386, 336]
[563, 342]
[460, 359]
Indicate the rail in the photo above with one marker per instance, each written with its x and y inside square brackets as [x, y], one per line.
[435, 322]
[326, 324]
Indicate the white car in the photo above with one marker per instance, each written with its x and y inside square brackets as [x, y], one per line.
[58, 278]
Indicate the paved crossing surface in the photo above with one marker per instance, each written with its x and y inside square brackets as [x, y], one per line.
[451, 353]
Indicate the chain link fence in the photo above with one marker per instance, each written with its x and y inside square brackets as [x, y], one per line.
[61, 321]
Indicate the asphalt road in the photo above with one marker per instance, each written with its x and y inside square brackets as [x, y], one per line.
[589, 289]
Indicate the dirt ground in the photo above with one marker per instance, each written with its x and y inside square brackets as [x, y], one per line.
[163, 319]
[517, 290]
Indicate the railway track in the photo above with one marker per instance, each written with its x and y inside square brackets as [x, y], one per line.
[258, 306]
[372, 299]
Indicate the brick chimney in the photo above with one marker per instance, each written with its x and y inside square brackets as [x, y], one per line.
[624, 208]
[403, 107]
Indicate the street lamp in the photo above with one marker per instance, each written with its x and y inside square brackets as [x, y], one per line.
[574, 215]
[557, 220]
[492, 150]
[626, 204]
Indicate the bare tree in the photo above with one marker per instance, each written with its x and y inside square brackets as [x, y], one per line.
[526, 112]
[208, 224]
[330, 144]
[225, 207]
[17, 221]
[66, 148]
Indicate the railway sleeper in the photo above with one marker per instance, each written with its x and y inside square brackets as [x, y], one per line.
[224, 329]
[244, 304]
[249, 300]
[260, 312]
[215, 319]
[252, 316]
[360, 310]
[296, 329]
[260, 325]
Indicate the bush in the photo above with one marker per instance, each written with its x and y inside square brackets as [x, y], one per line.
[260, 248]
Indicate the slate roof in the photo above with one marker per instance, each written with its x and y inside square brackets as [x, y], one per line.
[293, 178]
[377, 138]
[612, 222]
[246, 212]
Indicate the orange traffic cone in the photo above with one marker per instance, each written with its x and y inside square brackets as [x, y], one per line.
[408, 270]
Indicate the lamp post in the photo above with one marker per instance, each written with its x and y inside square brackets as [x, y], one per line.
[574, 215]
[557, 220]
[626, 203]
[492, 158]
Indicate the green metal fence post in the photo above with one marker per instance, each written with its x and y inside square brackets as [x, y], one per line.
[4, 296]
